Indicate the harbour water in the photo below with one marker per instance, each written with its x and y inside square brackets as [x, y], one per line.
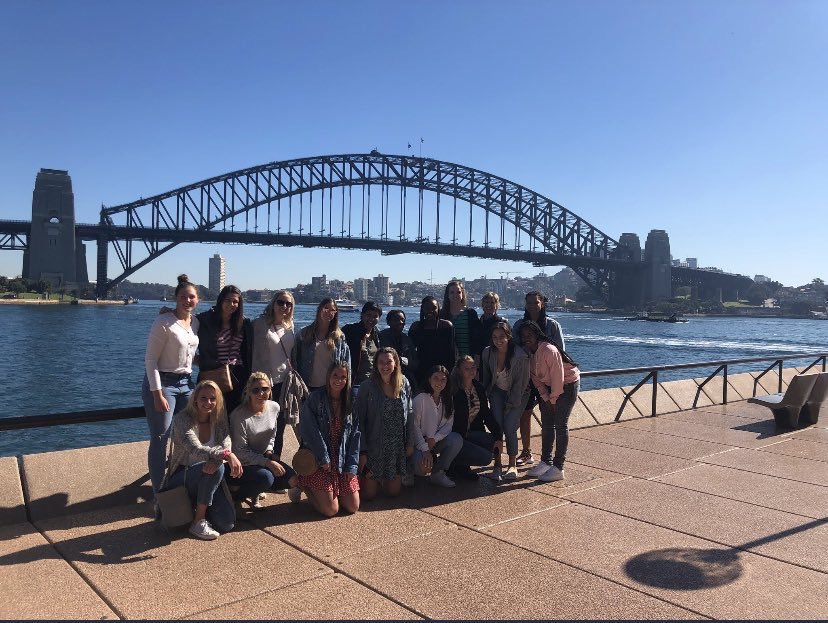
[61, 358]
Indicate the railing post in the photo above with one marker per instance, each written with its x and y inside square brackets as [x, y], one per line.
[724, 387]
[780, 376]
[655, 392]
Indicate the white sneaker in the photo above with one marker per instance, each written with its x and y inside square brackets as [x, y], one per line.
[552, 474]
[511, 473]
[203, 530]
[440, 479]
[538, 470]
[295, 495]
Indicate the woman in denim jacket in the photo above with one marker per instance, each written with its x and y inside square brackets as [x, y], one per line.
[383, 407]
[330, 430]
[319, 345]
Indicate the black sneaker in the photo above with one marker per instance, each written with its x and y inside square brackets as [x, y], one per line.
[464, 472]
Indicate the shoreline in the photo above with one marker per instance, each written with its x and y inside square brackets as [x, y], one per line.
[58, 302]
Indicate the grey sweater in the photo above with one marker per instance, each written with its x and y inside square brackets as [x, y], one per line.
[253, 435]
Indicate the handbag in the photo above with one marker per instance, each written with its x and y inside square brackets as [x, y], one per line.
[304, 462]
[220, 376]
[175, 505]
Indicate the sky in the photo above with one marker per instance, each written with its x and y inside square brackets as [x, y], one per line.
[703, 118]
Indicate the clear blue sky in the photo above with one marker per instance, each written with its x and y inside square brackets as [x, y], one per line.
[704, 118]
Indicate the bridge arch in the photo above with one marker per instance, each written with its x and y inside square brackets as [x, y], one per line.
[499, 219]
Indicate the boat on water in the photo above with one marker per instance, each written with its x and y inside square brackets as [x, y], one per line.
[344, 305]
[128, 300]
[658, 317]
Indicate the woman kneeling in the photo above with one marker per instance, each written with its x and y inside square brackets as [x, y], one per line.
[328, 428]
[253, 429]
[201, 446]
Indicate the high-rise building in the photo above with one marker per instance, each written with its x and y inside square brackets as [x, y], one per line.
[361, 289]
[381, 286]
[319, 283]
[217, 267]
[692, 262]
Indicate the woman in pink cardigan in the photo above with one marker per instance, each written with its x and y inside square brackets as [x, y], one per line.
[557, 378]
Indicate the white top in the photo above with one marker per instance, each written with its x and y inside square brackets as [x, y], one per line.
[428, 421]
[502, 379]
[170, 348]
[271, 349]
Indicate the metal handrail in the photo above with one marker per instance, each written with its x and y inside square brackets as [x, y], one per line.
[650, 374]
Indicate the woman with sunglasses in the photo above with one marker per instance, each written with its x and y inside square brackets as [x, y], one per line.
[200, 449]
[273, 340]
[331, 431]
[319, 345]
[253, 431]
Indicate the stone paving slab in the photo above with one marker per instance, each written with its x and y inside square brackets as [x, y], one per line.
[626, 461]
[83, 484]
[12, 504]
[723, 420]
[741, 384]
[716, 581]
[603, 404]
[769, 382]
[669, 445]
[643, 399]
[713, 389]
[800, 448]
[579, 418]
[784, 536]
[36, 583]
[330, 597]
[815, 434]
[379, 524]
[445, 576]
[733, 437]
[740, 408]
[781, 466]
[684, 392]
[792, 497]
[145, 574]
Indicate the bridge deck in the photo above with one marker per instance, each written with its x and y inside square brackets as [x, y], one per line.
[698, 514]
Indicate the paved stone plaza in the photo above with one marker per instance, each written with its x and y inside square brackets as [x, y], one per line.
[705, 513]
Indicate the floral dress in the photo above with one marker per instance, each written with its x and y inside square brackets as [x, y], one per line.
[391, 461]
[331, 480]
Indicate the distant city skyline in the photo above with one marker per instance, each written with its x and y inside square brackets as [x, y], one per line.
[704, 119]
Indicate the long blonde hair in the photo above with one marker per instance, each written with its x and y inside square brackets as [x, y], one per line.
[270, 314]
[192, 404]
[396, 375]
[334, 332]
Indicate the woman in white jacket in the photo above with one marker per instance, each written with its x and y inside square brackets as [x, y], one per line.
[435, 445]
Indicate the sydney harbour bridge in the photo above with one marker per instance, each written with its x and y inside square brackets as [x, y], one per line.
[390, 203]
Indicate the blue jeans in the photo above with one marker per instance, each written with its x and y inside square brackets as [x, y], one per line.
[555, 425]
[176, 389]
[256, 479]
[477, 449]
[509, 421]
[446, 450]
[205, 489]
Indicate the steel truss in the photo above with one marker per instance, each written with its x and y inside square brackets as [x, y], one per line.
[513, 221]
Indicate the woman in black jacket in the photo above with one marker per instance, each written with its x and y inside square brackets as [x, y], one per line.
[225, 336]
[472, 417]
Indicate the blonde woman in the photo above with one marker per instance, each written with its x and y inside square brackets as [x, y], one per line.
[319, 345]
[383, 406]
[273, 341]
[200, 449]
[254, 430]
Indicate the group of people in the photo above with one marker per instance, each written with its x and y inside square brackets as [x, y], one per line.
[371, 408]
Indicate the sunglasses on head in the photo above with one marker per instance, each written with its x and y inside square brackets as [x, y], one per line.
[282, 303]
[259, 390]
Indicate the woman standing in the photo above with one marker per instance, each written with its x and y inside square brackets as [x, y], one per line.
[468, 331]
[200, 448]
[319, 345]
[434, 339]
[273, 341]
[254, 426]
[535, 311]
[490, 304]
[383, 407]
[168, 383]
[225, 338]
[504, 372]
[557, 379]
[330, 429]
[472, 416]
[435, 443]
